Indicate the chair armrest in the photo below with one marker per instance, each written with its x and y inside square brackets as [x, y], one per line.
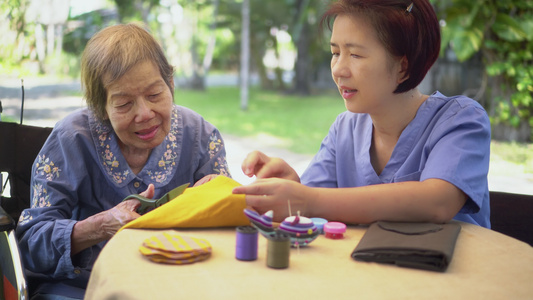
[6, 221]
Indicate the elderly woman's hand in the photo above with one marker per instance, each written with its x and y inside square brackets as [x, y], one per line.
[206, 179]
[123, 213]
[113, 219]
[104, 225]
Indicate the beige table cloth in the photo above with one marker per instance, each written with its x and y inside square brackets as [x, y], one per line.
[485, 265]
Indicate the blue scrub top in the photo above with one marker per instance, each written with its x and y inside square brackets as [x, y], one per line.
[448, 139]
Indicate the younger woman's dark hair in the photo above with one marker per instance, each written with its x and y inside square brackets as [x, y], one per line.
[404, 27]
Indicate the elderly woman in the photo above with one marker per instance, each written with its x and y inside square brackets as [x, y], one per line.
[131, 139]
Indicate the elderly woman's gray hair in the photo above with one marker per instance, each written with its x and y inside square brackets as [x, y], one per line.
[110, 53]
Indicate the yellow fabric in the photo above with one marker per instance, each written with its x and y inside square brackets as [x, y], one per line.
[209, 205]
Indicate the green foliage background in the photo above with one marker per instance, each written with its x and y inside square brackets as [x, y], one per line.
[502, 31]
[499, 31]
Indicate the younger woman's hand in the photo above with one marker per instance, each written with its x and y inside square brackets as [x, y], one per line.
[262, 166]
[276, 194]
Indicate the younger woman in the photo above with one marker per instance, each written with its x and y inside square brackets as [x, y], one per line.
[396, 154]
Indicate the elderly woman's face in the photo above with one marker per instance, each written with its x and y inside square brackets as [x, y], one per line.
[139, 107]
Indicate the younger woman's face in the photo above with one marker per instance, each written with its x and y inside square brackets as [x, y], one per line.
[365, 74]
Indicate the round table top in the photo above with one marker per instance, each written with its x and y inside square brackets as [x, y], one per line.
[485, 265]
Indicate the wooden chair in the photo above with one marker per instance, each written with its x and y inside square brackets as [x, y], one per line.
[512, 215]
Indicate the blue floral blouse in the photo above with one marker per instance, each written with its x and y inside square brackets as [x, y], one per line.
[80, 171]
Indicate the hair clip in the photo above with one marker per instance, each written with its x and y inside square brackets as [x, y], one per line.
[409, 8]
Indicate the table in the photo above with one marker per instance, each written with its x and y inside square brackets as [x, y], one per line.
[485, 265]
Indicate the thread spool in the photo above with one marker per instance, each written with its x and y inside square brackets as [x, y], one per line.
[278, 251]
[335, 230]
[246, 245]
[319, 223]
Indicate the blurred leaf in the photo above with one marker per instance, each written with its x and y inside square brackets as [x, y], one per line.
[466, 43]
[508, 28]
[515, 121]
[527, 26]
[463, 13]
[495, 68]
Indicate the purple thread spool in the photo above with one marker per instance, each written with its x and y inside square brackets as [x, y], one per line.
[246, 248]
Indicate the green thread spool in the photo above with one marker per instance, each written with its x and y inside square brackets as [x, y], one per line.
[278, 251]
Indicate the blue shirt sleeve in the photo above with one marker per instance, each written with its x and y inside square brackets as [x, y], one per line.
[44, 230]
[459, 152]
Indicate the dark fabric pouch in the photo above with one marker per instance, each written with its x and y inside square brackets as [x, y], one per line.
[425, 246]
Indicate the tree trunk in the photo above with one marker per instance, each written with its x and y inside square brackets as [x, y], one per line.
[59, 39]
[201, 69]
[301, 35]
[40, 46]
[50, 34]
[197, 80]
[302, 79]
[245, 54]
[278, 71]
[208, 58]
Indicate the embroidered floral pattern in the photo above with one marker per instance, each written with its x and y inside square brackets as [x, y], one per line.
[45, 167]
[109, 159]
[167, 162]
[40, 196]
[25, 217]
[165, 165]
[40, 199]
[215, 145]
[221, 167]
